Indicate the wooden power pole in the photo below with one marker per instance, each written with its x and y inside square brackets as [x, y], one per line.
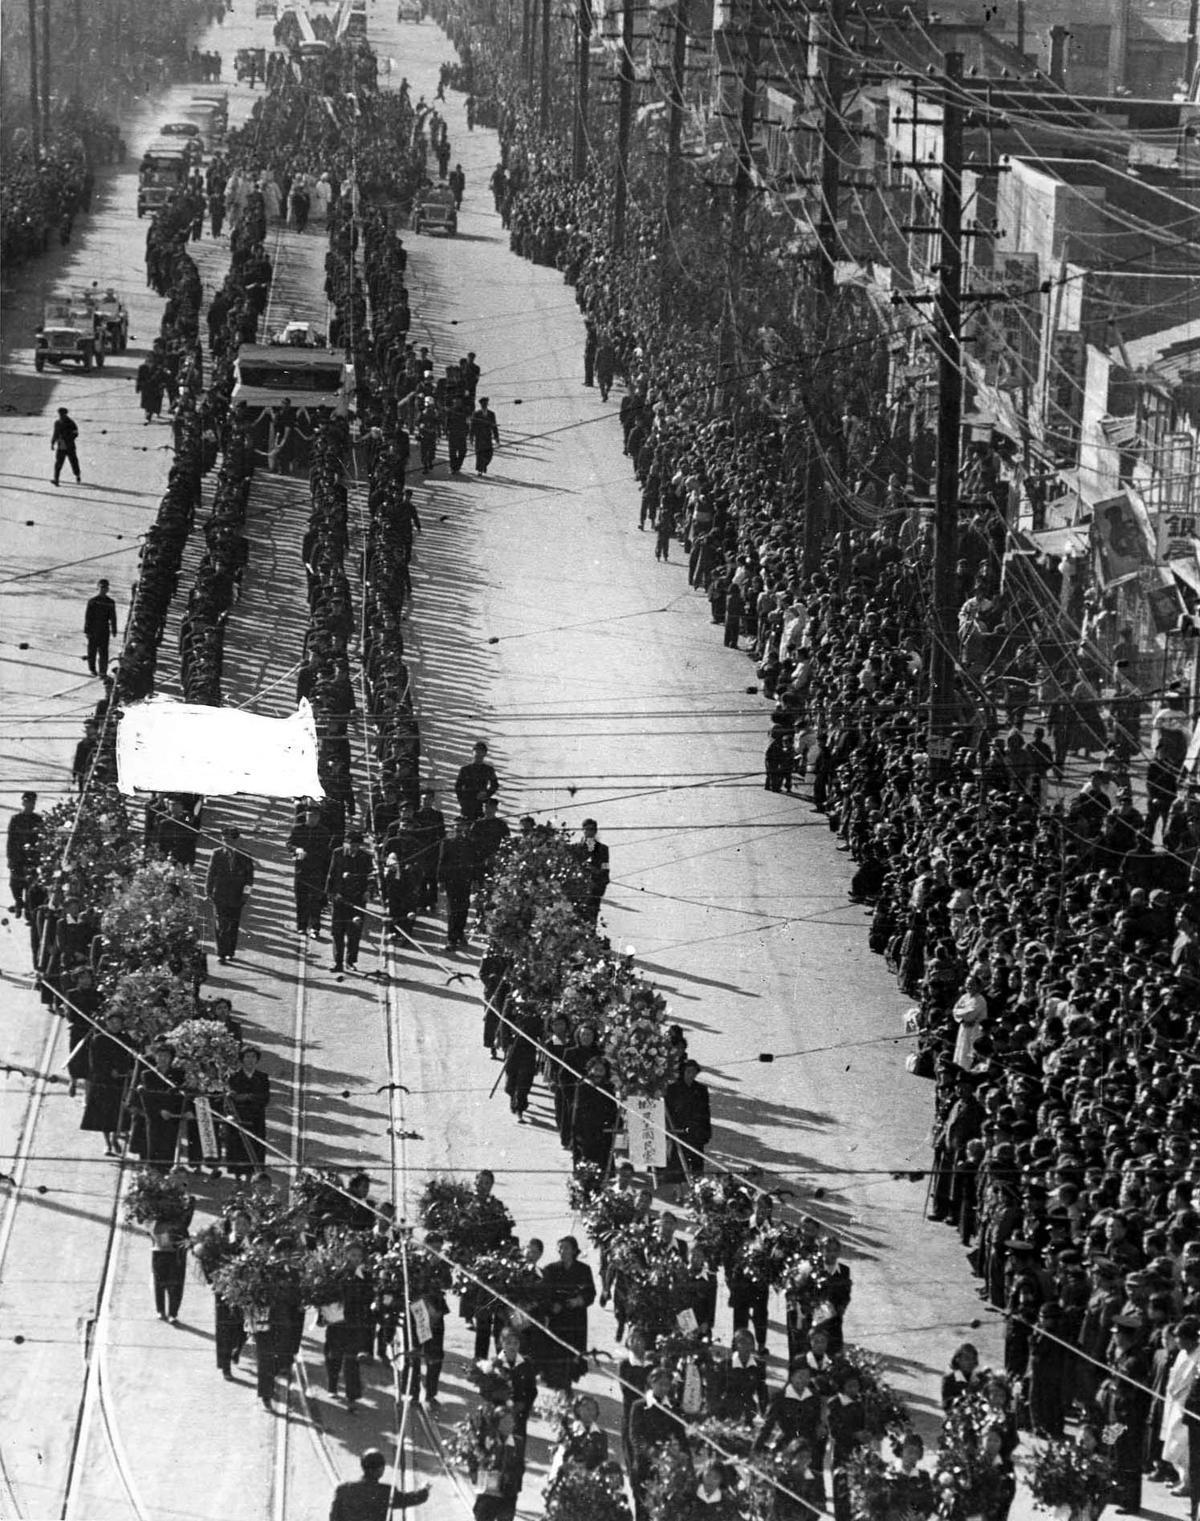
[624, 124]
[948, 339]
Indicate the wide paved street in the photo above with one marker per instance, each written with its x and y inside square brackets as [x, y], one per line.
[543, 623]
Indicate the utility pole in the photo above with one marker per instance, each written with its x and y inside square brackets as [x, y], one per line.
[948, 338]
[742, 183]
[583, 43]
[675, 109]
[46, 70]
[830, 82]
[34, 106]
[831, 87]
[79, 50]
[526, 42]
[624, 124]
[544, 112]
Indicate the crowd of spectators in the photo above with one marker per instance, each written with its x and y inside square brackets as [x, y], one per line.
[1050, 937]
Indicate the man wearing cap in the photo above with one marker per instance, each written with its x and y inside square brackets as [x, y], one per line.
[311, 845]
[348, 886]
[369, 1498]
[229, 878]
[476, 782]
[99, 626]
[593, 854]
[485, 435]
[24, 838]
[1123, 1404]
[62, 443]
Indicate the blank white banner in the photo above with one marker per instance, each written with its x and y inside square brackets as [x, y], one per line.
[165, 746]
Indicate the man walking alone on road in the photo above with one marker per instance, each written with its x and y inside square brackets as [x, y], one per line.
[230, 878]
[99, 625]
[62, 441]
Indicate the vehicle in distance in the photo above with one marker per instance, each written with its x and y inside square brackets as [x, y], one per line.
[163, 171]
[67, 334]
[113, 315]
[408, 10]
[435, 210]
[312, 379]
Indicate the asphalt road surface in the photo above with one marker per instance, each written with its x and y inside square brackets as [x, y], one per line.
[542, 623]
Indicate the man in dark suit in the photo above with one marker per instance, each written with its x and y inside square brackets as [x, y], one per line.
[311, 845]
[99, 625]
[485, 435]
[594, 855]
[456, 873]
[431, 831]
[230, 877]
[351, 873]
[369, 1498]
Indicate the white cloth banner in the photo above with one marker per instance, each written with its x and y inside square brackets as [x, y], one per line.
[165, 746]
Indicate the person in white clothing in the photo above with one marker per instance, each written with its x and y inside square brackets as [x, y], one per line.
[969, 1013]
[1179, 1385]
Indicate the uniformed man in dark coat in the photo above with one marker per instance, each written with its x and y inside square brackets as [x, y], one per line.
[311, 845]
[1123, 1403]
[475, 783]
[431, 831]
[456, 873]
[485, 434]
[369, 1498]
[99, 625]
[351, 874]
[230, 877]
[24, 838]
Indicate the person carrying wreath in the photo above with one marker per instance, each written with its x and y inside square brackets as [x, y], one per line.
[168, 1258]
[653, 1423]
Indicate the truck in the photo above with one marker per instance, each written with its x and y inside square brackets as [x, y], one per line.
[68, 334]
[435, 210]
[163, 171]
